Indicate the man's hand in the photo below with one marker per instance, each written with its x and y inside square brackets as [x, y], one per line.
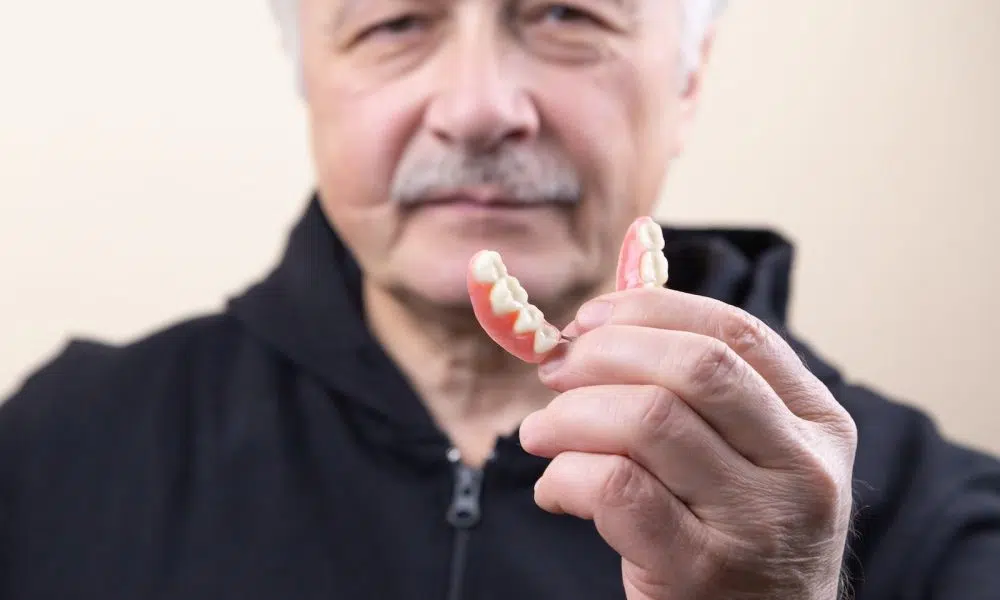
[706, 453]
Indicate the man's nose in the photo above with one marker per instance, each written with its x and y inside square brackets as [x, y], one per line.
[482, 103]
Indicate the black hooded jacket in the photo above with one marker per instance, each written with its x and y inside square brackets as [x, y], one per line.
[273, 451]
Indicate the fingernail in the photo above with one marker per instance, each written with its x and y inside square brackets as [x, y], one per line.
[594, 314]
[573, 330]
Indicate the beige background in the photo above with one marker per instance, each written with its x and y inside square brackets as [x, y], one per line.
[152, 157]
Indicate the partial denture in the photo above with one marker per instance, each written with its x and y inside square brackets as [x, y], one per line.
[641, 261]
[502, 308]
[501, 303]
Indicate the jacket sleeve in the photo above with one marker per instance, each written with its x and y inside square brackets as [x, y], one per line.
[969, 566]
[928, 509]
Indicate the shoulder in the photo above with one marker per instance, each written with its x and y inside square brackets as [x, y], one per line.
[83, 365]
[903, 455]
[906, 468]
[896, 439]
[90, 388]
[926, 506]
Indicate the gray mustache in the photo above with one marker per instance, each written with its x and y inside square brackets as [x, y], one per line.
[520, 174]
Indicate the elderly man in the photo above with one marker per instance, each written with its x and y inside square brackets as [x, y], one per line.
[346, 429]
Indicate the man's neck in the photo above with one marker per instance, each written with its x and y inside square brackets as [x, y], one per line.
[473, 389]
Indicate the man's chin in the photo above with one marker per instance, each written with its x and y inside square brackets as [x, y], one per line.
[452, 297]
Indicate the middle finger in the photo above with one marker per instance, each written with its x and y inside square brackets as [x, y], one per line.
[708, 375]
[649, 425]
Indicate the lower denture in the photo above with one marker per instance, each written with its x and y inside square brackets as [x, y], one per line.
[502, 309]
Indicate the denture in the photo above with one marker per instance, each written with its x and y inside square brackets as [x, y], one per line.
[502, 308]
[501, 304]
[641, 262]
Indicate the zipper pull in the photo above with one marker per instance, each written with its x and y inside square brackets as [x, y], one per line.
[465, 510]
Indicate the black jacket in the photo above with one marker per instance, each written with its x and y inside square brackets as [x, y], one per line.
[273, 451]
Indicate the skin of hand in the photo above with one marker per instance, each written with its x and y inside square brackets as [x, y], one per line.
[705, 452]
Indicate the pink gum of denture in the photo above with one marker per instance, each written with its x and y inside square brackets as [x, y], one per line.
[502, 309]
[501, 304]
[641, 262]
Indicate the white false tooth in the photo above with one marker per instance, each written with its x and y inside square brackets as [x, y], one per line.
[650, 235]
[662, 268]
[653, 268]
[502, 299]
[529, 319]
[520, 294]
[546, 338]
[488, 267]
[647, 272]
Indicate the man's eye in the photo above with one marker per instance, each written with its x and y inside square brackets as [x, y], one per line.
[562, 13]
[397, 26]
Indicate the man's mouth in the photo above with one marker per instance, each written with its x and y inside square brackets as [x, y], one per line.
[471, 204]
[486, 199]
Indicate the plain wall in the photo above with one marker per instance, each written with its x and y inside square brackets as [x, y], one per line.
[153, 156]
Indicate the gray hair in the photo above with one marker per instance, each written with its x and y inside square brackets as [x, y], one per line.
[698, 17]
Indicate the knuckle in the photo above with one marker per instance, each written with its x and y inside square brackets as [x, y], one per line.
[826, 411]
[624, 484]
[814, 401]
[845, 427]
[742, 331]
[658, 419]
[714, 367]
[821, 502]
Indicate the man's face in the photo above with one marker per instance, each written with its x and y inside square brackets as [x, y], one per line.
[443, 127]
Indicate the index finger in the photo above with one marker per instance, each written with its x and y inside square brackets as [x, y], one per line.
[748, 336]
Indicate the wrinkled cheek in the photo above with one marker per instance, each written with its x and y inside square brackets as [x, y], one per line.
[338, 149]
[350, 173]
[620, 137]
[356, 137]
[651, 121]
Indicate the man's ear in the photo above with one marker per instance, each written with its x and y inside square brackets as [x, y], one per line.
[691, 87]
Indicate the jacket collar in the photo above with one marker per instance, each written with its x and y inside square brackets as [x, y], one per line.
[309, 307]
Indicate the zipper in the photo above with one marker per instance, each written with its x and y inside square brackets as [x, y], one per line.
[464, 513]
